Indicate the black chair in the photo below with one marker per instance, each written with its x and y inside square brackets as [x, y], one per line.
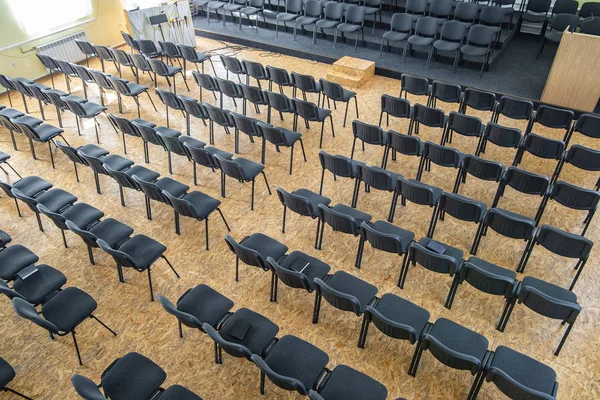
[170, 100]
[445, 92]
[478, 100]
[516, 374]
[57, 98]
[154, 191]
[479, 168]
[440, 155]
[454, 346]
[254, 250]
[233, 6]
[204, 156]
[62, 314]
[127, 127]
[104, 54]
[293, 10]
[587, 124]
[207, 82]
[347, 383]
[312, 112]
[508, 224]
[7, 83]
[173, 142]
[466, 13]
[31, 186]
[338, 165]
[395, 107]
[524, 182]
[149, 134]
[125, 178]
[494, 16]
[193, 108]
[374, 177]
[129, 89]
[195, 205]
[53, 199]
[354, 21]
[451, 39]
[573, 197]
[384, 236]
[303, 202]
[513, 108]
[131, 42]
[255, 96]
[149, 49]
[425, 34]
[280, 137]
[246, 125]
[114, 232]
[344, 292]
[563, 244]
[552, 117]
[38, 288]
[233, 65]
[590, 25]
[296, 270]
[242, 170]
[255, 70]
[541, 147]
[335, 92]
[104, 85]
[536, 12]
[479, 43]
[501, 136]
[397, 318]
[255, 7]
[115, 161]
[190, 54]
[306, 83]
[171, 52]
[160, 68]
[333, 15]
[69, 72]
[81, 214]
[488, 278]
[370, 134]
[44, 133]
[313, 10]
[421, 252]
[229, 89]
[559, 23]
[141, 64]
[403, 144]
[198, 305]
[428, 116]
[220, 117]
[13, 260]
[292, 364]
[415, 192]
[341, 218]
[123, 59]
[582, 158]
[548, 300]
[401, 26]
[464, 125]
[459, 207]
[87, 110]
[416, 8]
[140, 252]
[50, 64]
[86, 78]
[7, 374]
[280, 77]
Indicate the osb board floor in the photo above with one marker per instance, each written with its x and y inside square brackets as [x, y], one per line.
[44, 367]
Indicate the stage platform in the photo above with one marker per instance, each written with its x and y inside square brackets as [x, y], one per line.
[514, 69]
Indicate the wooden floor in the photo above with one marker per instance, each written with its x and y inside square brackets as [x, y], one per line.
[44, 368]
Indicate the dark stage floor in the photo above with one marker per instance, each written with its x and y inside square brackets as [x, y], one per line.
[515, 71]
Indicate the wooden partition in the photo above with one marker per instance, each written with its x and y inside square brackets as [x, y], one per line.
[574, 79]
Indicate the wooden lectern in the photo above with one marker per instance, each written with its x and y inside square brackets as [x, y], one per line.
[574, 79]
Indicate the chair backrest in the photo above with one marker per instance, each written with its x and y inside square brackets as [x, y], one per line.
[478, 99]
[255, 69]
[416, 6]
[247, 255]
[415, 191]
[272, 134]
[6, 82]
[431, 260]
[339, 222]
[306, 109]
[565, 7]
[30, 201]
[25, 310]
[560, 22]
[492, 16]
[101, 79]
[188, 53]
[333, 90]
[130, 41]
[538, 6]
[404, 144]
[313, 8]
[83, 73]
[232, 64]
[482, 35]
[66, 67]
[591, 26]
[503, 136]
[588, 125]
[553, 117]
[515, 108]
[306, 83]
[8, 292]
[253, 94]
[86, 388]
[88, 237]
[338, 299]
[429, 116]
[103, 52]
[563, 243]
[121, 57]
[442, 155]
[391, 328]
[447, 92]
[574, 197]
[147, 133]
[395, 106]
[525, 181]
[229, 88]
[158, 67]
[486, 281]
[120, 85]
[205, 81]
[440, 8]
[545, 304]
[123, 124]
[284, 382]
[426, 26]
[121, 258]
[183, 317]
[28, 131]
[299, 204]
[279, 76]
[170, 49]
[150, 189]
[193, 107]
[218, 115]
[483, 169]
[401, 22]
[289, 277]
[147, 47]
[48, 62]
[200, 156]
[56, 217]
[376, 177]
[182, 206]
[464, 124]
[466, 11]
[279, 102]
[336, 164]
[140, 62]
[234, 349]
[544, 147]
[506, 224]
[355, 15]
[334, 10]
[461, 207]
[384, 241]
[589, 9]
[70, 152]
[169, 99]
[94, 163]
[121, 177]
[171, 143]
[584, 158]
[368, 133]
[293, 6]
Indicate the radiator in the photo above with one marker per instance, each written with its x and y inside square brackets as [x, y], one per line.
[65, 49]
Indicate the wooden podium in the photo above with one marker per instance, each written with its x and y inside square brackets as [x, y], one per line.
[574, 79]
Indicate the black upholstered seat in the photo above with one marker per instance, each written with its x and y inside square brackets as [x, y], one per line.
[259, 335]
[69, 308]
[38, 286]
[82, 214]
[178, 392]
[265, 246]
[13, 259]
[143, 249]
[315, 268]
[349, 284]
[111, 231]
[32, 185]
[205, 304]
[399, 311]
[133, 377]
[345, 383]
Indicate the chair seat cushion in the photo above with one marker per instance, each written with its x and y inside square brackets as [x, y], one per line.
[163, 130]
[143, 122]
[143, 250]
[56, 199]
[216, 4]
[32, 185]
[349, 284]
[453, 252]
[133, 377]
[258, 336]
[117, 162]
[82, 215]
[174, 188]
[286, 17]
[136, 89]
[459, 339]
[93, 150]
[403, 311]
[395, 36]
[314, 198]
[305, 20]
[4, 238]
[475, 51]
[143, 173]
[69, 308]
[7, 373]
[41, 284]
[202, 203]
[206, 304]
[391, 229]
[348, 28]
[251, 169]
[420, 40]
[491, 268]
[171, 70]
[290, 136]
[311, 267]
[46, 132]
[92, 109]
[221, 153]
[13, 259]
[347, 94]
[296, 358]
[549, 289]
[326, 24]
[4, 157]
[525, 370]
[249, 10]
[346, 383]
[437, 192]
[28, 120]
[178, 392]
[359, 216]
[534, 17]
[323, 113]
[112, 231]
[232, 7]
[11, 113]
[444, 45]
[265, 246]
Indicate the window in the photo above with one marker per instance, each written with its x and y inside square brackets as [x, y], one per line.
[43, 16]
